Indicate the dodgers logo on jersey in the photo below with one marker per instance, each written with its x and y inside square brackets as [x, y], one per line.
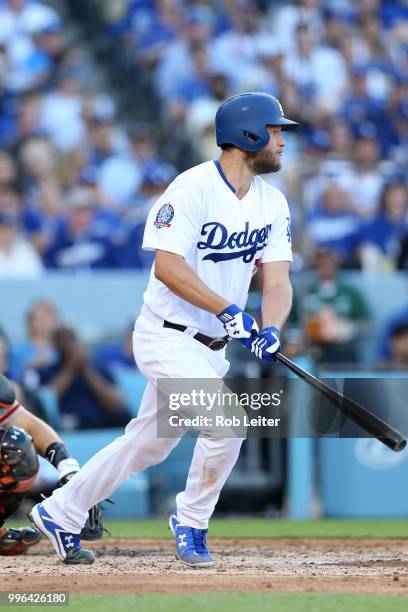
[164, 216]
[218, 238]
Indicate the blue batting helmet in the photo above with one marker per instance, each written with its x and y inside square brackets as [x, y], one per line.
[242, 120]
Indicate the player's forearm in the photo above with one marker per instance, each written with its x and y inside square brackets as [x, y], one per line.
[276, 305]
[42, 434]
[47, 443]
[173, 271]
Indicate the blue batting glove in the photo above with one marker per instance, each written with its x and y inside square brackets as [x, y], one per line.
[266, 344]
[238, 324]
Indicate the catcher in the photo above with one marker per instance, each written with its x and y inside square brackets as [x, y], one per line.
[22, 436]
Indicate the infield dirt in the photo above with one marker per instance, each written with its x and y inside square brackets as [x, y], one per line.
[146, 566]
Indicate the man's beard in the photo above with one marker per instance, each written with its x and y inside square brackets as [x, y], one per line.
[261, 163]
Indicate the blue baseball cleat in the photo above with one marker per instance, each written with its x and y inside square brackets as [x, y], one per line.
[191, 545]
[67, 545]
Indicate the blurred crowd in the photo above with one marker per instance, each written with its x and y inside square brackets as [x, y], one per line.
[77, 177]
[75, 182]
[339, 67]
[82, 383]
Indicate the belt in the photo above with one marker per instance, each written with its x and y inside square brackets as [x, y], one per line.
[215, 344]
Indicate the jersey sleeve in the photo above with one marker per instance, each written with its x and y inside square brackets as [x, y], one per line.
[279, 245]
[174, 222]
[8, 412]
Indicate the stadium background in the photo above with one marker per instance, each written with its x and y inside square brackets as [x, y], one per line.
[101, 105]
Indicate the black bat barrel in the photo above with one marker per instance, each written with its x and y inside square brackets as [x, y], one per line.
[372, 423]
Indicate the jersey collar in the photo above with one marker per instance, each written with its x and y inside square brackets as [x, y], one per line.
[222, 175]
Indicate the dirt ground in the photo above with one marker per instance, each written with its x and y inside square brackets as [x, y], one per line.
[143, 566]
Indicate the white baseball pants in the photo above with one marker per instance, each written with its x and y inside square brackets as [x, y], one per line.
[159, 353]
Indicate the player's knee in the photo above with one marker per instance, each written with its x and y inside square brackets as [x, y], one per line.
[222, 446]
[153, 455]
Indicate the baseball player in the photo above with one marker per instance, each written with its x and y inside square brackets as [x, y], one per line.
[211, 229]
[22, 436]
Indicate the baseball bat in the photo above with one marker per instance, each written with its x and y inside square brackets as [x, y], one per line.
[372, 423]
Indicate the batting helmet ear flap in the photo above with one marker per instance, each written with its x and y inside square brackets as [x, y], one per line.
[258, 141]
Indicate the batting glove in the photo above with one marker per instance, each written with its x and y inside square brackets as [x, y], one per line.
[267, 344]
[238, 324]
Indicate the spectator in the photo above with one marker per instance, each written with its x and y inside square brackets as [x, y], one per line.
[336, 314]
[319, 72]
[197, 84]
[341, 141]
[24, 125]
[19, 20]
[24, 17]
[194, 32]
[87, 397]
[18, 258]
[398, 115]
[359, 107]
[335, 227]
[157, 177]
[111, 357]
[85, 239]
[8, 173]
[368, 182]
[60, 113]
[152, 27]
[272, 59]
[51, 49]
[200, 116]
[129, 170]
[119, 178]
[381, 237]
[103, 140]
[44, 205]
[399, 347]
[144, 149]
[399, 318]
[38, 350]
[287, 18]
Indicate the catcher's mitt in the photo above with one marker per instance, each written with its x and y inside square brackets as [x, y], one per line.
[93, 528]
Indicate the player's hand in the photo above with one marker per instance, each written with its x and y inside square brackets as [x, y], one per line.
[238, 324]
[267, 344]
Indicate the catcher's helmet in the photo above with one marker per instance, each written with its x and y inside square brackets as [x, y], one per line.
[18, 460]
[242, 120]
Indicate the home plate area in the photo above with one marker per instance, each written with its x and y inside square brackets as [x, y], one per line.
[143, 566]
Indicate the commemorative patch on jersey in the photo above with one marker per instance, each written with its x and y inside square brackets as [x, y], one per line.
[164, 216]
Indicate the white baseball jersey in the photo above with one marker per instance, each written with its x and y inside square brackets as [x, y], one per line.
[222, 238]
